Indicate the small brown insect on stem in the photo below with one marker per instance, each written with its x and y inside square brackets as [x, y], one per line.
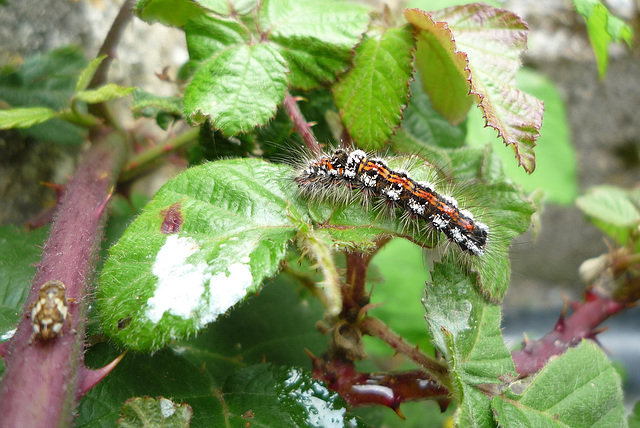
[50, 312]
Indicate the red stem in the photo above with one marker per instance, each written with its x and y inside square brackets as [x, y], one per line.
[301, 125]
[42, 379]
[566, 333]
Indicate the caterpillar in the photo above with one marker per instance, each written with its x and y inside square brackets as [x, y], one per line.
[356, 171]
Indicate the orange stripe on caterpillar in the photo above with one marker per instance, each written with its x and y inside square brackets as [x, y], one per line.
[372, 176]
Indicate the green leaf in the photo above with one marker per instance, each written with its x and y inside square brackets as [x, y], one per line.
[88, 73]
[466, 328]
[108, 92]
[169, 12]
[474, 49]
[244, 337]
[373, 94]
[208, 36]
[150, 105]
[603, 28]
[238, 89]
[149, 412]
[205, 362]
[46, 81]
[317, 36]
[25, 117]
[555, 156]
[210, 373]
[428, 126]
[216, 230]
[19, 252]
[443, 69]
[475, 409]
[580, 388]
[278, 396]
[614, 210]
[226, 7]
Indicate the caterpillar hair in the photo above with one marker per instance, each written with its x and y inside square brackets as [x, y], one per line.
[343, 174]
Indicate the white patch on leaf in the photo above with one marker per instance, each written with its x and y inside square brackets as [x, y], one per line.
[227, 290]
[193, 291]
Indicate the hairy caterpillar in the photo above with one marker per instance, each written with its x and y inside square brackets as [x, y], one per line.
[354, 170]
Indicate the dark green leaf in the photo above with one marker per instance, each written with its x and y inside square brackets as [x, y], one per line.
[146, 412]
[196, 371]
[19, 251]
[169, 12]
[238, 89]
[373, 94]
[25, 117]
[428, 126]
[46, 81]
[580, 388]
[216, 230]
[603, 28]
[317, 36]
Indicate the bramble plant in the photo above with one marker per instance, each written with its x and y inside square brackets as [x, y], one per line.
[246, 302]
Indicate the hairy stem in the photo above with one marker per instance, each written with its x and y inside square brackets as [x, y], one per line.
[43, 379]
[375, 327]
[301, 125]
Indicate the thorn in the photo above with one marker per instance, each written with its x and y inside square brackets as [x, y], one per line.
[593, 333]
[560, 325]
[366, 308]
[104, 203]
[444, 404]
[396, 408]
[525, 339]
[90, 378]
[298, 98]
[311, 124]
[573, 304]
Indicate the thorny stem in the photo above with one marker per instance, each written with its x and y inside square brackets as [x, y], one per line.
[616, 287]
[567, 332]
[44, 380]
[376, 328]
[144, 160]
[301, 125]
